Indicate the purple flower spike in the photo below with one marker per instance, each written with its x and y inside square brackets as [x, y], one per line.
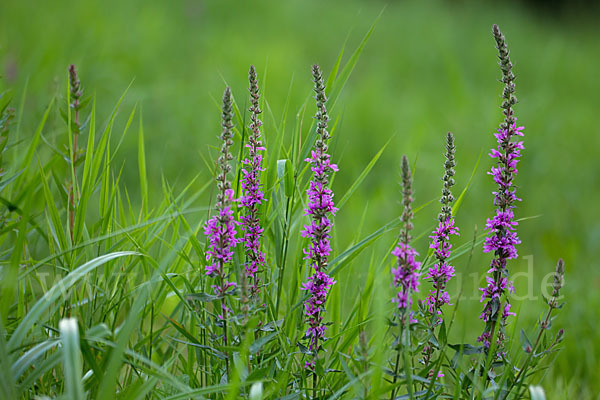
[405, 273]
[502, 237]
[252, 194]
[320, 207]
[441, 272]
[220, 229]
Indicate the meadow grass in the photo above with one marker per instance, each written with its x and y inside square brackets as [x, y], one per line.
[149, 227]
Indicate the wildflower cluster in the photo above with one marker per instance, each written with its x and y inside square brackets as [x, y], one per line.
[239, 337]
[405, 274]
[441, 272]
[502, 236]
[220, 229]
[320, 207]
[252, 194]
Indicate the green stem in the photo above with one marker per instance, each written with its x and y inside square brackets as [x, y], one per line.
[224, 311]
[533, 349]
[283, 255]
[314, 384]
[397, 360]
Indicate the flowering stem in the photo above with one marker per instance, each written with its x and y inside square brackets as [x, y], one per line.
[220, 229]
[75, 93]
[502, 226]
[320, 207]
[441, 272]
[223, 305]
[405, 274]
[252, 194]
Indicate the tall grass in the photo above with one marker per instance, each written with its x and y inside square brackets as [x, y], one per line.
[106, 297]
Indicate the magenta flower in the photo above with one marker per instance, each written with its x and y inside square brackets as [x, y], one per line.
[405, 273]
[441, 272]
[406, 276]
[320, 207]
[502, 237]
[220, 229]
[252, 194]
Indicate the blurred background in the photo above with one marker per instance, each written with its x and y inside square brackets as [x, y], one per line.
[429, 67]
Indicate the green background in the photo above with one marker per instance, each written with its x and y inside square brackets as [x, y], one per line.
[429, 67]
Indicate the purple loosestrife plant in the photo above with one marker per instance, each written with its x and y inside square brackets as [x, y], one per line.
[441, 272]
[405, 273]
[320, 208]
[502, 236]
[220, 229]
[252, 194]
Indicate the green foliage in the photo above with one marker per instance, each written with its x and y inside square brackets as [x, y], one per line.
[132, 275]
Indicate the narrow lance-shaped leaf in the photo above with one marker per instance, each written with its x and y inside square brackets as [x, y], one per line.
[69, 333]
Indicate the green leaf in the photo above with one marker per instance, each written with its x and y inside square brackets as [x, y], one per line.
[289, 178]
[525, 343]
[204, 297]
[466, 349]
[142, 165]
[256, 391]
[109, 385]
[55, 223]
[362, 175]
[342, 79]
[7, 378]
[88, 179]
[442, 338]
[32, 356]
[197, 393]
[537, 393]
[304, 349]
[69, 334]
[56, 291]
[33, 146]
[260, 342]
[42, 368]
[343, 259]
[460, 198]
[336, 67]
[411, 396]
[285, 174]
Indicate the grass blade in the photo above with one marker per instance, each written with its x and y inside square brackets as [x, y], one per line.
[69, 333]
[56, 291]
